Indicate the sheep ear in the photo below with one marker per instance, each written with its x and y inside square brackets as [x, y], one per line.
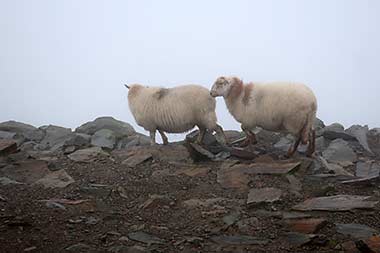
[126, 86]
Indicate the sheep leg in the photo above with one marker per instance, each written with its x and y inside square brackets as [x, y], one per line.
[249, 139]
[164, 138]
[311, 146]
[293, 148]
[152, 137]
[202, 132]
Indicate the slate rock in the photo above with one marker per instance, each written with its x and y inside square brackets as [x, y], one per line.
[29, 132]
[78, 140]
[87, 155]
[239, 240]
[7, 147]
[133, 141]
[336, 203]
[104, 138]
[120, 128]
[26, 171]
[145, 238]
[307, 226]
[336, 131]
[56, 179]
[7, 181]
[339, 152]
[356, 231]
[264, 195]
[360, 133]
[55, 137]
[299, 239]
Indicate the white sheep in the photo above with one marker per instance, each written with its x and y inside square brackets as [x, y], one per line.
[173, 110]
[277, 106]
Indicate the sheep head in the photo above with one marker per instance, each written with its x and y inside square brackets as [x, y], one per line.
[223, 86]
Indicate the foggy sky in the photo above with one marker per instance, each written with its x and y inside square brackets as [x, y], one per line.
[65, 62]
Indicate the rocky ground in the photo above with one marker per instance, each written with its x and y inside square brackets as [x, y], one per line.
[102, 188]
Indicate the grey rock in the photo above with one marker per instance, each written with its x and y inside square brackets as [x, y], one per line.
[79, 247]
[137, 158]
[7, 135]
[231, 218]
[120, 128]
[356, 231]
[367, 169]
[263, 195]
[208, 139]
[145, 238]
[336, 203]
[52, 204]
[29, 145]
[336, 131]
[7, 147]
[320, 143]
[299, 239]
[284, 143]
[78, 140]
[28, 171]
[339, 152]
[246, 225]
[29, 132]
[239, 240]
[318, 124]
[8, 181]
[87, 155]
[133, 141]
[360, 133]
[55, 137]
[56, 179]
[104, 138]
[295, 215]
[204, 152]
[295, 185]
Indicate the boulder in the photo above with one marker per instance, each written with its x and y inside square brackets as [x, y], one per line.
[120, 128]
[29, 132]
[87, 155]
[133, 141]
[339, 152]
[55, 137]
[104, 138]
[335, 131]
[360, 133]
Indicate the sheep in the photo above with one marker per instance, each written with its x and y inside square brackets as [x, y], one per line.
[276, 106]
[173, 110]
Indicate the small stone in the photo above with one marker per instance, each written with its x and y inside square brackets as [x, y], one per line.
[30, 249]
[155, 201]
[193, 172]
[52, 204]
[7, 181]
[307, 226]
[239, 240]
[231, 218]
[78, 247]
[263, 195]
[145, 238]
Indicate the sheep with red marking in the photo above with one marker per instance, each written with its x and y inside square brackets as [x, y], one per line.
[173, 110]
[278, 106]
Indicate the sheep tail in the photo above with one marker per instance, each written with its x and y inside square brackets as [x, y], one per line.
[308, 128]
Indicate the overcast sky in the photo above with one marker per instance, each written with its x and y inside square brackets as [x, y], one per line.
[64, 62]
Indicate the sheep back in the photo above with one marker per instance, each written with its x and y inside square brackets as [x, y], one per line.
[173, 110]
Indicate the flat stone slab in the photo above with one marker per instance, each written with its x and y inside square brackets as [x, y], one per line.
[263, 195]
[336, 203]
[339, 152]
[356, 231]
[26, 172]
[239, 240]
[145, 238]
[137, 158]
[237, 176]
[299, 239]
[87, 155]
[367, 169]
[56, 179]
